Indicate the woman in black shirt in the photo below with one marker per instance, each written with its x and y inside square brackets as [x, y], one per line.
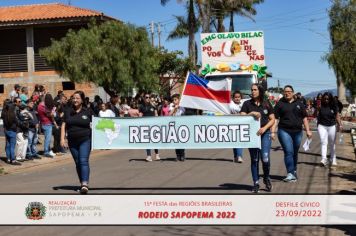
[77, 125]
[260, 109]
[328, 115]
[292, 115]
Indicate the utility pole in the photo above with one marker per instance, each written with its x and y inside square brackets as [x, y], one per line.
[159, 34]
[152, 33]
[278, 85]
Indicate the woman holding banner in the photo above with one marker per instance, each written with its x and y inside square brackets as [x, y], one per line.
[260, 109]
[77, 125]
[148, 109]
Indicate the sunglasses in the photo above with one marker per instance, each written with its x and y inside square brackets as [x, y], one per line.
[147, 97]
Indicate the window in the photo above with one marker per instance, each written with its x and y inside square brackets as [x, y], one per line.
[68, 86]
[1, 88]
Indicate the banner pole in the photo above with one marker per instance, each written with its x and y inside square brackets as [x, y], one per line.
[185, 83]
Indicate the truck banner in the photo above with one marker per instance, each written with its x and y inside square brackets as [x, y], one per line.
[175, 132]
[243, 48]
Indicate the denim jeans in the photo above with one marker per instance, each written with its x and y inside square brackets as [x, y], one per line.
[81, 152]
[47, 130]
[264, 154]
[10, 144]
[238, 152]
[290, 142]
[148, 151]
[32, 143]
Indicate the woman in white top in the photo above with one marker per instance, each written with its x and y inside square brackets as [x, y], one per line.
[105, 111]
[235, 107]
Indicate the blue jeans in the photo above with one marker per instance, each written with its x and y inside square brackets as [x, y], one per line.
[81, 153]
[290, 142]
[32, 143]
[10, 144]
[264, 154]
[47, 130]
[237, 152]
[148, 151]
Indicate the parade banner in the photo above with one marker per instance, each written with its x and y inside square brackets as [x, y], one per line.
[177, 209]
[175, 132]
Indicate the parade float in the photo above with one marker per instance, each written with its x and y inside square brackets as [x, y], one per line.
[236, 55]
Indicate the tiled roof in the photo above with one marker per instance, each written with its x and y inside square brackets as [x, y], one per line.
[44, 12]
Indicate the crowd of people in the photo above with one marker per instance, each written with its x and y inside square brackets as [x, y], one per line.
[68, 122]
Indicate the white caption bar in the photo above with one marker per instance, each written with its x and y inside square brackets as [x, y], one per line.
[177, 209]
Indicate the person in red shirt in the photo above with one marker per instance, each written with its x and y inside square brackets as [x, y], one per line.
[46, 111]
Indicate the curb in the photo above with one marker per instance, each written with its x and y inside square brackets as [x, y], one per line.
[42, 163]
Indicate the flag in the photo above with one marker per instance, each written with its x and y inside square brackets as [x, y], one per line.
[206, 95]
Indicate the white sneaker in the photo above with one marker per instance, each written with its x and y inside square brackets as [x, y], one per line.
[149, 158]
[52, 153]
[324, 161]
[334, 163]
[240, 160]
[157, 157]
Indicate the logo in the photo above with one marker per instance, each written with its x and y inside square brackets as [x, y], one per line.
[84, 117]
[298, 107]
[265, 111]
[35, 211]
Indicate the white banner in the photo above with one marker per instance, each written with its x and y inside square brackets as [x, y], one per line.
[177, 209]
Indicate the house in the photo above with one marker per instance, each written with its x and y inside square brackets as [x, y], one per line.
[24, 30]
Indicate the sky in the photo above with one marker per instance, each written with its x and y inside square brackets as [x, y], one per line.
[296, 34]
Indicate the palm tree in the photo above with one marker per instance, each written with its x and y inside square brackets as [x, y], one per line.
[211, 10]
[186, 27]
[225, 8]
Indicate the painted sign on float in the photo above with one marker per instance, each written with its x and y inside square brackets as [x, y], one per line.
[175, 132]
[233, 47]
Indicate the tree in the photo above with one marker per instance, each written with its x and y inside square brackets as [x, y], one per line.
[189, 24]
[217, 10]
[116, 56]
[342, 28]
[172, 69]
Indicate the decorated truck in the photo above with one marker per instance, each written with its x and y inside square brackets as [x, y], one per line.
[236, 55]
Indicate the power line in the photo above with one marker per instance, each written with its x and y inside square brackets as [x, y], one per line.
[302, 50]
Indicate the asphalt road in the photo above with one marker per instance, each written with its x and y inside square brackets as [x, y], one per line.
[204, 171]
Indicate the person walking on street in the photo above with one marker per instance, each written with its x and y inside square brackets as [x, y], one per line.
[328, 115]
[147, 109]
[292, 115]
[235, 107]
[77, 125]
[176, 110]
[262, 110]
